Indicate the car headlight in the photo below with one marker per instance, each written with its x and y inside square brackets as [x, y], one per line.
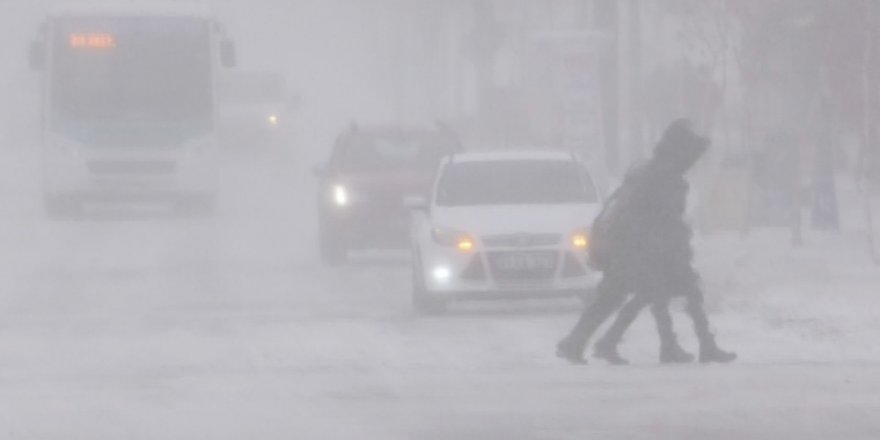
[442, 274]
[454, 238]
[341, 196]
[580, 239]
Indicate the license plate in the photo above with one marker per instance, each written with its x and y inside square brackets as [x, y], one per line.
[525, 262]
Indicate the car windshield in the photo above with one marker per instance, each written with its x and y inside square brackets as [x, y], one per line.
[393, 152]
[514, 182]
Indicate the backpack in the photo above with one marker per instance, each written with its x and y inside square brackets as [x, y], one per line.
[602, 242]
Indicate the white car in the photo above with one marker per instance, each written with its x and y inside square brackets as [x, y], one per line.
[503, 225]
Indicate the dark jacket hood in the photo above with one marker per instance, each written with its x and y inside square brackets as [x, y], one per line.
[680, 146]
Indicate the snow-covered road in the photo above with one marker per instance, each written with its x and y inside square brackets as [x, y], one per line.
[150, 326]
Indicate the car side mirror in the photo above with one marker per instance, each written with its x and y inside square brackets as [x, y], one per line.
[37, 55]
[227, 54]
[416, 203]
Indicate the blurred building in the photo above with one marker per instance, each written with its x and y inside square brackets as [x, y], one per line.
[509, 72]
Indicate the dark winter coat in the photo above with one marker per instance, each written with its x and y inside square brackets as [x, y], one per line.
[651, 239]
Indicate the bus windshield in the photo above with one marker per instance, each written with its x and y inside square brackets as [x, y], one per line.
[144, 73]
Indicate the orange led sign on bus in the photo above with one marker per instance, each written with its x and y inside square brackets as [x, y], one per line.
[89, 40]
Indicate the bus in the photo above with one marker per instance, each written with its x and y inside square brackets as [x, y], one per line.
[128, 105]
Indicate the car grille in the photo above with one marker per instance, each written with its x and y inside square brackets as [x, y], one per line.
[132, 167]
[522, 240]
[523, 266]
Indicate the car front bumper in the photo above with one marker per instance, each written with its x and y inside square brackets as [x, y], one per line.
[449, 273]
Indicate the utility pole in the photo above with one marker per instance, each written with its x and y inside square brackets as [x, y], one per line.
[867, 169]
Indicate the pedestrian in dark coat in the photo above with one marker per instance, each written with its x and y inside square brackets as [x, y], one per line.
[650, 256]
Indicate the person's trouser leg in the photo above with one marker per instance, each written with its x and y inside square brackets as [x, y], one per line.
[709, 350]
[665, 330]
[606, 347]
[609, 296]
[624, 320]
[670, 351]
[694, 307]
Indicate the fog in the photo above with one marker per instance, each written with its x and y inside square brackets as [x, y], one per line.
[372, 219]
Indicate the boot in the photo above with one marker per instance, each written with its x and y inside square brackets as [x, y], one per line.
[673, 354]
[566, 350]
[609, 352]
[711, 353]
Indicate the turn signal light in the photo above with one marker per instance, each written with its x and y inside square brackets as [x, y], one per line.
[462, 241]
[465, 244]
[580, 240]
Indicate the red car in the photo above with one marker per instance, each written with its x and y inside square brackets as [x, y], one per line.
[363, 186]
